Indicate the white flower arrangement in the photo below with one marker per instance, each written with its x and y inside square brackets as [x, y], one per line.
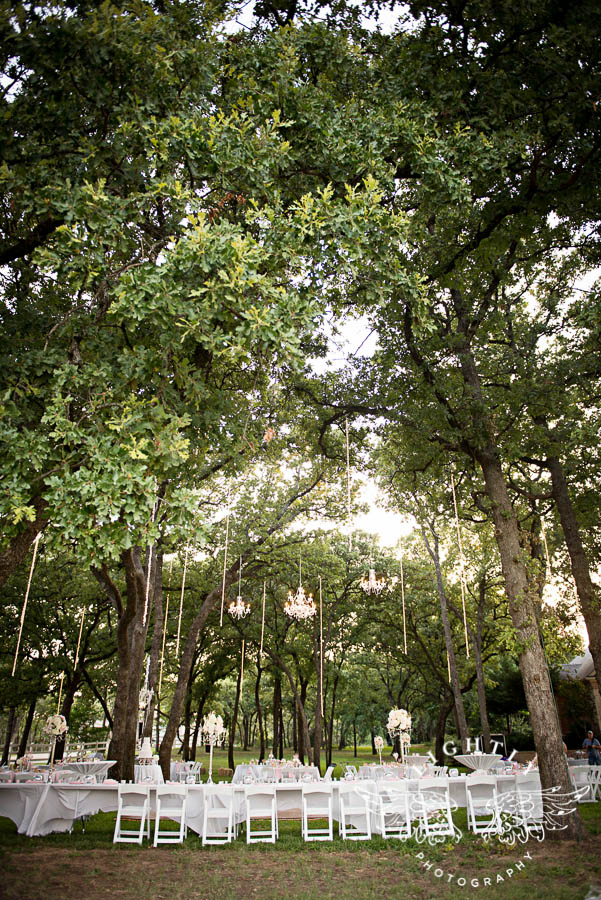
[213, 729]
[56, 726]
[379, 742]
[399, 721]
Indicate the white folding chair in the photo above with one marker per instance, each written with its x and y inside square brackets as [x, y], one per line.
[434, 805]
[328, 775]
[594, 780]
[260, 804]
[7, 776]
[218, 816]
[355, 808]
[394, 810]
[133, 803]
[288, 775]
[529, 812]
[317, 803]
[580, 779]
[170, 804]
[483, 814]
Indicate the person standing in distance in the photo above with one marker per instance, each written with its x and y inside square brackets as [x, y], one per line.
[592, 746]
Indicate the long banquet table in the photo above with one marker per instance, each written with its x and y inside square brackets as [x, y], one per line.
[41, 808]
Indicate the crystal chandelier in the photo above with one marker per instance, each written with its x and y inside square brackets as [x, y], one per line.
[371, 584]
[299, 605]
[240, 607]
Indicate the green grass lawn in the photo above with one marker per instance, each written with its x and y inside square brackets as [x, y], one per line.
[87, 866]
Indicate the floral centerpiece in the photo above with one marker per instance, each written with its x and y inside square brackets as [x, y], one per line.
[56, 726]
[399, 725]
[24, 762]
[212, 733]
[379, 745]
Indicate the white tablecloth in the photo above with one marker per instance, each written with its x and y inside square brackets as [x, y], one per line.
[373, 770]
[97, 768]
[279, 773]
[151, 774]
[39, 809]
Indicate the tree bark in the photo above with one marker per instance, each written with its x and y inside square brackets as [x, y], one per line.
[197, 725]
[10, 726]
[461, 720]
[317, 731]
[277, 708]
[446, 705]
[131, 636]
[15, 553]
[330, 746]
[259, 710]
[27, 728]
[480, 685]
[588, 592]
[521, 597]
[531, 658]
[232, 734]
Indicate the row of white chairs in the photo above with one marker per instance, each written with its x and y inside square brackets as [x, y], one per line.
[397, 811]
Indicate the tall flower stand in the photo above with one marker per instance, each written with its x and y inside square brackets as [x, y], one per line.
[399, 726]
[212, 733]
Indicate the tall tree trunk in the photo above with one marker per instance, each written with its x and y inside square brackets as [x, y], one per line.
[259, 710]
[15, 553]
[232, 734]
[298, 718]
[462, 727]
[10, 727]
[317, 732]
[331, 722]
[27, 728]
[197, 725]
[446, 705]
[185, 747]
[480, 685]
[521, 597]
[588, 592]
[281, 747]
[277, 712]
[131, 636]
[355, 737]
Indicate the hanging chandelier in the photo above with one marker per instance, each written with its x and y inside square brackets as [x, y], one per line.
[299, 605]
[371, 584]
[239, 608]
